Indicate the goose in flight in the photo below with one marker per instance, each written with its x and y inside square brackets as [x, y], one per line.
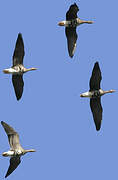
[16, 150]
[18, 69]
[95, 94]
[72, 21]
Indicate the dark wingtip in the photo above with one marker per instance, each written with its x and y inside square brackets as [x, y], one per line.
[19, 34]
[74, 6]
[7, 175]
[18, 98]
[96, 62]
[98, 127]
[20, 38]
[2, 122]
[71, 56]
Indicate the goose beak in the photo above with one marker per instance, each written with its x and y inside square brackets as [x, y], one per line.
[112, 90]
[34, 68]
[90, 22]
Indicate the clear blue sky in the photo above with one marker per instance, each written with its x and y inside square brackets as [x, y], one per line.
[51, 117]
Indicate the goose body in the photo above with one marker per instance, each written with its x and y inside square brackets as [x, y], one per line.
[18, 69]
[16, 150]
[95, 94]
[71, 22]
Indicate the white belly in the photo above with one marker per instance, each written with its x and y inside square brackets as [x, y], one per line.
[19, 152]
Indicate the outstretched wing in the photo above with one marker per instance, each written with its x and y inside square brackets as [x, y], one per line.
[72, 12]
[14, 162]
[19, 51]
[96, 108]
[18, 84]
[13, 136]
[71, 39]
[95, 78]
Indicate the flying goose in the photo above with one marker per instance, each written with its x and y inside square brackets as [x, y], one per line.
[72, 21]
[95, 94]
[16, 150]
[18, 69]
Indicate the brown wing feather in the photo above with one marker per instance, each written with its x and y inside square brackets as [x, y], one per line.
[19, 51]
[18, 84]
[95, 78]
[13, 136]
[72, 12]
[96, 108]
[71, 39]
[14, 162]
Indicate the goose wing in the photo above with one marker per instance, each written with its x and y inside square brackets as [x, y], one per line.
[95, 78]
[18, 84]
[13, 136]
[71, 39]
[19, 51]
[72, 12]
[96, 108]
[14, 162]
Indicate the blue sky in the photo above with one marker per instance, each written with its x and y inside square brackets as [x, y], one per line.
[51, 117]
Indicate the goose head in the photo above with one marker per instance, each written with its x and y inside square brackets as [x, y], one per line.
[30, 69]
[105, 92]
[29, 150]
